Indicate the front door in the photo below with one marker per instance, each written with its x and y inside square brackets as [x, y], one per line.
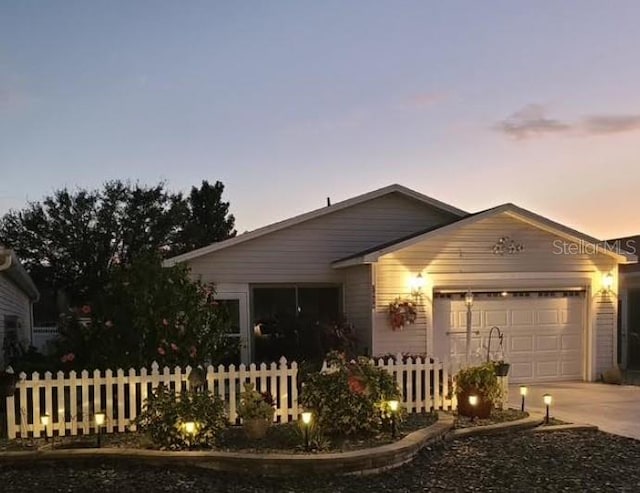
[238, 309]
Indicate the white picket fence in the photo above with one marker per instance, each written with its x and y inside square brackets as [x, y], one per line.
[71, 400]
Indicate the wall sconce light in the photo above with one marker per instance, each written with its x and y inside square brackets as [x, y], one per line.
[547, 402]
[523, 393]
[607, 282]
[417, 284]
[306, 422]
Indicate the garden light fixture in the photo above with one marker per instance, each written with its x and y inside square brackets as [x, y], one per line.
[607, 282]
[44, 421]
[189, 427]
[306, 422]
[523, 393]
[473, 400]
[394, 405]
[417, 283]
[547, 402]
[99, 418]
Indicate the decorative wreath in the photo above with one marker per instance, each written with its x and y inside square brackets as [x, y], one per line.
[402, 312]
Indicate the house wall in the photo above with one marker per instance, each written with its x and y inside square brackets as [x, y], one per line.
[13, 301]
[464, 259]
[358, 298]
[303, 253]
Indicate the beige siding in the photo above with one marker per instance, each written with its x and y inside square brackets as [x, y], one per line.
[14, 302]
[605, 322]
[358, 297]
[304, 252]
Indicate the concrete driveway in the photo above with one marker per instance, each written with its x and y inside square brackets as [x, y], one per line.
[613, 408]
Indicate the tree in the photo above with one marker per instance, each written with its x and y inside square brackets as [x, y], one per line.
[208, 218]
[147, 313]
[71, 241]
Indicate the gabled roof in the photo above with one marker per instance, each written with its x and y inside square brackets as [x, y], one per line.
[313, 215]
[11, 266]
[372, 254]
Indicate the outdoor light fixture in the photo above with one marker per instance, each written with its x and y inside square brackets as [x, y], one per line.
[523, 393]
[99, 418]
[468, 300]
[189, 427]
[44, 421]
[607, 282]
[547, 402]
[473, 400]
[394, 405]
[504, 294]
[417, 283]
[306, 421]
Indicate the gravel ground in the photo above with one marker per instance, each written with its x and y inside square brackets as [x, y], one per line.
[521, 462]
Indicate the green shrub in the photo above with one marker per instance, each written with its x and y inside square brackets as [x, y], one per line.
[255, 405]
[165, 414]
[481, 380]
[349, 398]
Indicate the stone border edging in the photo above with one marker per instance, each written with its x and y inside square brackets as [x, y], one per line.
[566, 427]
[532, 421]
[363, 461]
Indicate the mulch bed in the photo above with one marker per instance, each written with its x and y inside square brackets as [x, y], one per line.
[497, 416]
[560, 461]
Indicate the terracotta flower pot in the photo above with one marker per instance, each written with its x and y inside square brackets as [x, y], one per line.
[256, 428]
[481, 410]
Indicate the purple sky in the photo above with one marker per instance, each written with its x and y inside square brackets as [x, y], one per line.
[473, 103]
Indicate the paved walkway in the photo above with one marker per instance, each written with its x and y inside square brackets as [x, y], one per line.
[613, 408]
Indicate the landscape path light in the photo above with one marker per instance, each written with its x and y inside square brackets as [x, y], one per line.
[523, 393]
[99, 418]
[44, 421]
[306, 422]
[547, 402]
[394, 405]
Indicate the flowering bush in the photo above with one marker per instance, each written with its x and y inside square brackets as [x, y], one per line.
[402, 312]
[165, 413]
[255, 405]
[349, 398]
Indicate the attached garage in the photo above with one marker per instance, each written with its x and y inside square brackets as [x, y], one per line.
[543, 331]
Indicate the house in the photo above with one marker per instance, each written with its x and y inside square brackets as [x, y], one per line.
[18, 293]
[546, 286]
[629, 305]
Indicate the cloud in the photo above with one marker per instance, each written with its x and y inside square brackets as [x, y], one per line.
[609, 124]
[531, 121]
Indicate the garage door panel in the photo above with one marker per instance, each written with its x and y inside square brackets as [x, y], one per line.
[547, 317]
[547, 368]
[521, 371]
[571, 342]
[522, 317]
[547, 343]
[521, 343]
[571, 369]
[496, 317]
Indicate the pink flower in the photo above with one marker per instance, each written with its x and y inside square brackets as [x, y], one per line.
[173, 346]
[86, 310]
[161, 351]
[68, 358]
[165, 322]
[108, 324]
[193, 351]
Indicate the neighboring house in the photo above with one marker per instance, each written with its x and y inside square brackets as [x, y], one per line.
[543, 284]
[17, 295]
[629, 305]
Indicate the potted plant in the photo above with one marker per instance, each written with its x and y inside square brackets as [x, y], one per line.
[256, 410]
[8, 381]
[482, 382]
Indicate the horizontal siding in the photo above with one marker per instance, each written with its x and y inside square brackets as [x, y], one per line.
[14, 302]
[605, 320]
[304, 252]
[357, 297]
[469, 249]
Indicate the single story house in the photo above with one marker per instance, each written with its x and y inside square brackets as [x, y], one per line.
[629, 305]
[546, 286]
[18, 293]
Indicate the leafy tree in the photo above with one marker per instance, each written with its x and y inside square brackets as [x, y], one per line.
[72, 240]
[147, 313]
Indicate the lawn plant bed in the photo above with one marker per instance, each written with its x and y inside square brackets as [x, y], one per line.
[497, 416]
[280, 438]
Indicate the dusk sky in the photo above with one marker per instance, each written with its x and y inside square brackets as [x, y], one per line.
[287, 102]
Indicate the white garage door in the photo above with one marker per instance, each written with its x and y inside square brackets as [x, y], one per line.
[543, 332]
